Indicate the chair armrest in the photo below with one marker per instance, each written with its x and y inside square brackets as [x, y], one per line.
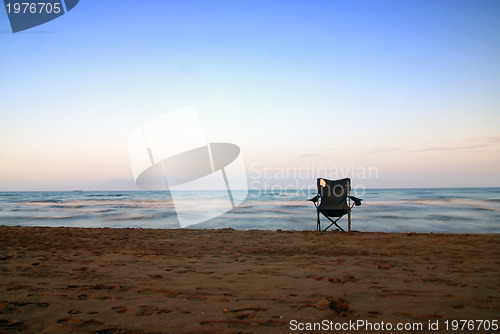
[357, 201]
[314, 199]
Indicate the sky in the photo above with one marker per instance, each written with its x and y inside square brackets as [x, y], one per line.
[394, 94]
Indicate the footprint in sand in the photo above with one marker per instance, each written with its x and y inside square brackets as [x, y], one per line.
[12, 324]
[339, 306]
[147, 310]
[121, 309]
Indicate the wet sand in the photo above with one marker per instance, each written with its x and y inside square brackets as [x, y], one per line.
[227, 281]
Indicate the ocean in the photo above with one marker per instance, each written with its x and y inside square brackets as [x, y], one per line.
[457, 210]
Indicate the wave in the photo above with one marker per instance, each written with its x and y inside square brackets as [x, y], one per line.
[447, 218]
[112, 203]
[448, 202]
[41, 217]
[106, 195]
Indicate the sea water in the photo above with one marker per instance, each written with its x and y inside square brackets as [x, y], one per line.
[458, 210]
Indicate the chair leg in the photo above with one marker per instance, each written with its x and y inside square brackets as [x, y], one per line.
[349, 221]
[318, 224]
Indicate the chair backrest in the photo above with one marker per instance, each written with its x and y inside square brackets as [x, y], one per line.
[334, 194]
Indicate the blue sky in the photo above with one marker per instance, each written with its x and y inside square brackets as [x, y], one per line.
[409, 88]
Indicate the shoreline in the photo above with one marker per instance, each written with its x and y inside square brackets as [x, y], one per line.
[229, 228]
[225, 280]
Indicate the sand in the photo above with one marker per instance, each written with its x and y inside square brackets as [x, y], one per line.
[227, 281]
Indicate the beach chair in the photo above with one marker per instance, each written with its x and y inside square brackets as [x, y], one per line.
[333, 201]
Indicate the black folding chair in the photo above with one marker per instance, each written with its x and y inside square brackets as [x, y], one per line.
[334, 201]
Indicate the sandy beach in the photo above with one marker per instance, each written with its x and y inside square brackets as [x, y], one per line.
[228, 281]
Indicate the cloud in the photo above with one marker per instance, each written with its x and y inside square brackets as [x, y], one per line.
[384, 150]
[469, 145]
[476, 144]
[451, 148]
[307, 155]
[486, 140]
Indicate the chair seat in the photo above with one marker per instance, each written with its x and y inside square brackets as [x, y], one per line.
[334, 213]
